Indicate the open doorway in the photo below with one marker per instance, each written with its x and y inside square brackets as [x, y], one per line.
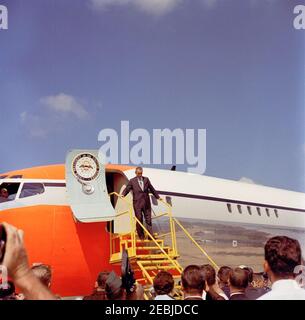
[115, 181]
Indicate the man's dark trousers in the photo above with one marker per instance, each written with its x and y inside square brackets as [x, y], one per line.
[141, 202]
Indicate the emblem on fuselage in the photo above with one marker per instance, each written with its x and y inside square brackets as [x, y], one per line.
[86, 167]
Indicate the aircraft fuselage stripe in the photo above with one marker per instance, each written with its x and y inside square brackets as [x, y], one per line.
[199, 197]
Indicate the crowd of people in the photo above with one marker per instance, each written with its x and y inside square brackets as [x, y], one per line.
[279, 281]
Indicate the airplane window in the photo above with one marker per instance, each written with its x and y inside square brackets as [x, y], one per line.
[2, 177]
[239, 208]
[258, 211]
[276, 214]
[8, 191]
[229, 207]
[168, 200]
[267, 212]
[249, 210]
[31, 189]
[16, 177]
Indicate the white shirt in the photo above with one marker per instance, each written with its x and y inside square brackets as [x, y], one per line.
[141, 183]
[163, 297]
[204, 295]
[285, 289]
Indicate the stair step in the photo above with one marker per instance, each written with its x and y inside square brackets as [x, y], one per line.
[146, 240]
[153, 248]
[149, 268]
[153, 262]
[153, 256]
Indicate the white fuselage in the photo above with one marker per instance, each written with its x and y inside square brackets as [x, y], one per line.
[195, 197]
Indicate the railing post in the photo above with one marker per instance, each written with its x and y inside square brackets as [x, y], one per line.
[111, 239]
[196, 244]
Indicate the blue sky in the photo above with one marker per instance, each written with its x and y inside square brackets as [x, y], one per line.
[234, 67]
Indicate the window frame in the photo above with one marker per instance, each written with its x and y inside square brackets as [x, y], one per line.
[229, 207]
[267, 212]
[5, 181]
[35, 183]
[258, 209]
[249, 210]
[239, 208]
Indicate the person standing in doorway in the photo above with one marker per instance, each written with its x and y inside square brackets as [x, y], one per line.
[141, 187]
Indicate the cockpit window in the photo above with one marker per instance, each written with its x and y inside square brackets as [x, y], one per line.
[8, 191]
[31, 189]
[2, 177]
[18, 176]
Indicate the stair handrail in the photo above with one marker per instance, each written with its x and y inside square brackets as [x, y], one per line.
[196, 243]
[169, 213]
[173, 262]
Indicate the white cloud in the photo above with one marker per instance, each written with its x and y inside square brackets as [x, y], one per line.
[54, 116]
[154, 7]
[209, 3]
[105, 3]
[34, 124]
[65, 104]
[246, 180]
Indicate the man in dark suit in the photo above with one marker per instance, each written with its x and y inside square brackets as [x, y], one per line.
[238, 282]
[141, 187]
[193, 283]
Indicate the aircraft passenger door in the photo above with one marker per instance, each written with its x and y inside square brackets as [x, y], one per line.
[86, 187]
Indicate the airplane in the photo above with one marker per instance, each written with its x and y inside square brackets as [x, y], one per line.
[230, 219]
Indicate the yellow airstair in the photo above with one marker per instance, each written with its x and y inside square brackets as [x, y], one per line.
[157, 252]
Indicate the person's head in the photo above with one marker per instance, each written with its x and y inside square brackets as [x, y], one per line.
[238, 280]
[193, 282]
[4, 193]
[101, 279]
[282, 255]
[139, 172]
[223, 275]
[114, 287]
[7, 291]
[43, 273]
[250, 272]
[163, 283]
[209, 274]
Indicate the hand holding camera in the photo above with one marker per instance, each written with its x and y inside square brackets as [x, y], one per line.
[12, 252]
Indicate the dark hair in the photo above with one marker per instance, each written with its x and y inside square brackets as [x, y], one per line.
[43, 272]
[283, 254]
[9, 291]
[102, 278]
[250, 273]
[114, 289]
[192, 279]
[209, 274]
[239, 278]
[224, 274]
[139, 168]
[163, 283]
